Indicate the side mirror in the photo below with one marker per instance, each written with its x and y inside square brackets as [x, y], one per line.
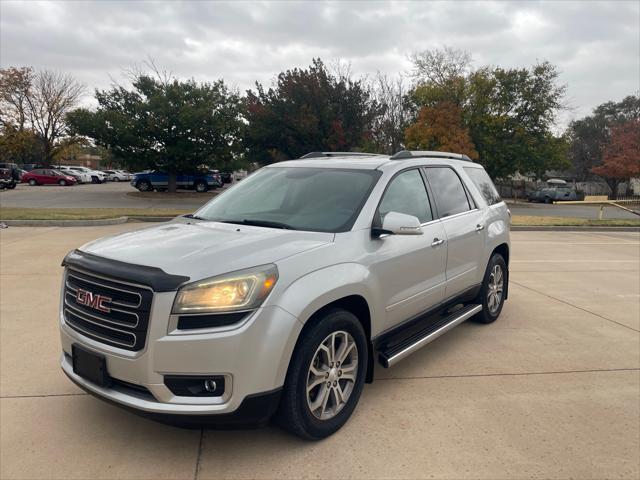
[396, 223]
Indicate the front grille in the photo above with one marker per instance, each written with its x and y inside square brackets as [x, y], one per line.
[107, 310]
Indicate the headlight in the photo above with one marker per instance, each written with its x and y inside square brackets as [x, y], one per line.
[242, 290]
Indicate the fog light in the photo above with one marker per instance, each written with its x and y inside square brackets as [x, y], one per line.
[210, 385]
[195, 385]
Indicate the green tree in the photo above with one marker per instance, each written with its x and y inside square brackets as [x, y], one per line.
[509, 113]
[307, 110]
[165, 123]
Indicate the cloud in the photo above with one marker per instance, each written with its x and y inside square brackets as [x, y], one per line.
[595, 45]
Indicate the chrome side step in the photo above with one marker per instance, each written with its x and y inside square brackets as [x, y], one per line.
[394, 354]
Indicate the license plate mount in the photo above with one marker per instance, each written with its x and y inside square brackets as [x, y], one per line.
[90, 366]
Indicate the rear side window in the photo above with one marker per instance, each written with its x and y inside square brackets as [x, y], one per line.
[451, 197]
[407, 194]
[480, 179]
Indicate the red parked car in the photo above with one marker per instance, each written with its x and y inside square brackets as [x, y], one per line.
[46, 176]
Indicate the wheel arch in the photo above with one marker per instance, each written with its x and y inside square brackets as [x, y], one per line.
[354, 303]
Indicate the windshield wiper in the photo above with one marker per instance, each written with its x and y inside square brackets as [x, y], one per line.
[195, 217]
[259, 223]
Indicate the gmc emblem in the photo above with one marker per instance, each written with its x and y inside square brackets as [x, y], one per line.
[93, 300]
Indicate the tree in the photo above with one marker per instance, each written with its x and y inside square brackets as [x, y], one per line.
[18, 142]
[162, 122]
[389, 125]
[307, 110]
[621, 156]
[588, 135]
[509, 113]
[52, 96]
[15, 88]
[440, 128]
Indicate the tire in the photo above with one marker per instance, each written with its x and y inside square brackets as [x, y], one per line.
[33, 182]
[295, 413]
[2, 186]
[62, 183]
[548, 200]
[143, 186]
[116, 179]
[201, 186]
[490, 310]
[11, 186]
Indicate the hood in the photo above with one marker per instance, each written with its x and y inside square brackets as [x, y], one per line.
[204, 249]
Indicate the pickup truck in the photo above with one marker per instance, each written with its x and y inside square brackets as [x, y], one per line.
[157, 180]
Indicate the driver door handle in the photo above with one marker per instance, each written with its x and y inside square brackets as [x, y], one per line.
[479, 227]
[437, 242]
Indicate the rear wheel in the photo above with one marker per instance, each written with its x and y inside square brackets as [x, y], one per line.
[32, 182]
[548, 200]
[143, 186]
[11, 186]
[326, 376]
[493, 289]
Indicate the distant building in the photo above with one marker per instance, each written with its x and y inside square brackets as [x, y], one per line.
[84, 160]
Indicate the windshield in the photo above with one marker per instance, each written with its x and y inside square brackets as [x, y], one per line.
[315, 199]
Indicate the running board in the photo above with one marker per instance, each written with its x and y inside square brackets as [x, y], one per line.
[393, 355]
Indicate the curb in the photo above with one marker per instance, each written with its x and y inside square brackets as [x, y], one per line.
[567, 228]
[82, 223]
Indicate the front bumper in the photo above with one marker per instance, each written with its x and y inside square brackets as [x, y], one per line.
[253, 356]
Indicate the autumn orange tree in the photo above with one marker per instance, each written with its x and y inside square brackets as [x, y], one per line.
[621, 156]
[439, 127]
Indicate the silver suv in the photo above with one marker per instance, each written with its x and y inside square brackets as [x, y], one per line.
[281, 296]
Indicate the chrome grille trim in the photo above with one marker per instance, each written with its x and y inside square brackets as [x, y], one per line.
[98, 336]
[109, 288]
[124, 325]
[99, 318]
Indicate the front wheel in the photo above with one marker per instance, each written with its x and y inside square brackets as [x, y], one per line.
[493, 289]
[326, 376]
[62, 183]
[116, 179]
[143, 186]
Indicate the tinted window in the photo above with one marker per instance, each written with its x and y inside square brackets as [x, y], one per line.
[448, 190]
[481, 179]
[317, 199]
[37, 172]
[406, 194]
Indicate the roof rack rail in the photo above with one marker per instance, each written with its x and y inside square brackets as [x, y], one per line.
[337, 154]
[409, 154]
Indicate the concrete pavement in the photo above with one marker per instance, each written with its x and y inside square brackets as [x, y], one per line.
[551, 390]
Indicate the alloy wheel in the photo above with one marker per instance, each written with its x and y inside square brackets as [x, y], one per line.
[332, 375]
[494, 292]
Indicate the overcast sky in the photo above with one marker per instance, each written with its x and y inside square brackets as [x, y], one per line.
[596, 45]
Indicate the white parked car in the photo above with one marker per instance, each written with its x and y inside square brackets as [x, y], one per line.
[95, 176]
[117, 175]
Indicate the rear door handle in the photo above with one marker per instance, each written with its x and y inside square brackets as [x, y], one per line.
[437, 242]
[479, 227]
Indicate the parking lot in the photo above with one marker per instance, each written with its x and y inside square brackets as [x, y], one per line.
[123, 195]
[552, 390]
